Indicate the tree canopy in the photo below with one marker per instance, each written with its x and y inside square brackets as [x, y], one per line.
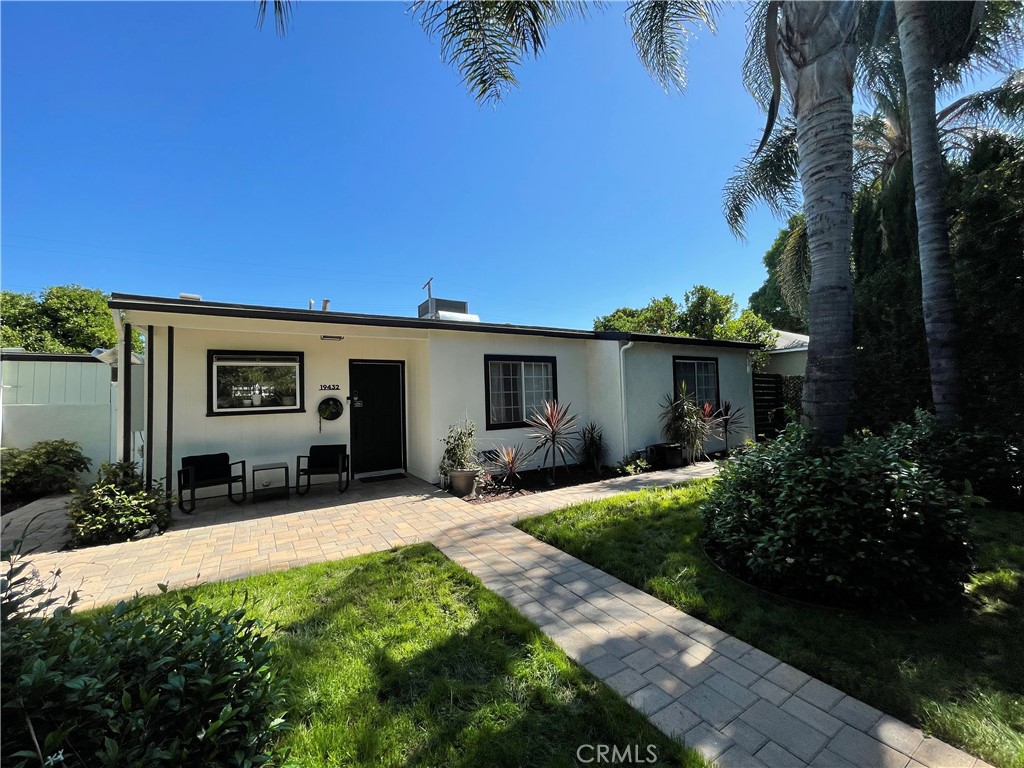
[705, 313]
[63, 318]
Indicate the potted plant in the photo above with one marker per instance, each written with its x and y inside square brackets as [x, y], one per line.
[686, 427]
[286, 392]
[458, 469]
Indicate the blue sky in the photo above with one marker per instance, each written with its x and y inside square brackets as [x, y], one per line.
[157, 148]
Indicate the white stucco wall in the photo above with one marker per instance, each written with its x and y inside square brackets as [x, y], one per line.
[445, 377]
[604, 392]
[787, 363]
[649, 377]
[259, 437]
[457, 369]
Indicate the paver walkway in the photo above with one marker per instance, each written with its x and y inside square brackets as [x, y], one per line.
[737, 705]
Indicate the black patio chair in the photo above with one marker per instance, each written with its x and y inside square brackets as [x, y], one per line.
[323, 460]
[207, 470]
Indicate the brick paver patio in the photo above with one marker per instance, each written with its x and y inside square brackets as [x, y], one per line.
[737, 705]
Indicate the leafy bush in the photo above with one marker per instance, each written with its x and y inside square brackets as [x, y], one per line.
[991, 463]
[116, 507]
[633, 464]
[856, 525]
[49, 466]
[138, 685]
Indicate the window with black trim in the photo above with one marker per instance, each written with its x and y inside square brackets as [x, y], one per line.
[253, 382]
[700, 375]
[516, 386]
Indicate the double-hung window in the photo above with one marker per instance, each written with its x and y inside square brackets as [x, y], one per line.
[516, 387]
[700, 375]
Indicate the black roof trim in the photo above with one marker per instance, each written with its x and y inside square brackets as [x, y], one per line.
[124, 301]
[688, 341]
[50, 357]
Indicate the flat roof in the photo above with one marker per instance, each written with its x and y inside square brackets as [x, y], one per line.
[128, 302]
[48, 357]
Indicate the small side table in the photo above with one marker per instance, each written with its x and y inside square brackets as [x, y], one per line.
[272, 491]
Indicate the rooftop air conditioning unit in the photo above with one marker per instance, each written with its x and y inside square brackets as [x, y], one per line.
[446, 309]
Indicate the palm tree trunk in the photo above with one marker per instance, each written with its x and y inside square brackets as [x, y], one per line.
[817, 56]
[937, 299]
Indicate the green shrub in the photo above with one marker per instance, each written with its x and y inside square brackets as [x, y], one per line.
[632, 464]
[993, 464]
[116, 507]
[49, 466]
[855, 526]
[139, 685]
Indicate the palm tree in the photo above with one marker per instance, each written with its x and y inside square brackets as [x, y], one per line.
[881, 154]
[812, 47]
[937, 299]
[931, 38]
[938, 43]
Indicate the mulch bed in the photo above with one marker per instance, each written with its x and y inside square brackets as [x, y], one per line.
[536, 481]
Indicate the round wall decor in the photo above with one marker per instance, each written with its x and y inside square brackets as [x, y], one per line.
[330, 409]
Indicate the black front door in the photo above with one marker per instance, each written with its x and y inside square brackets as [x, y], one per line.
[377, 415]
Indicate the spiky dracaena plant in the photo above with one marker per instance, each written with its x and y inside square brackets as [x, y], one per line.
[592, 449]
[554, 429]
[731, 421]
[508, 460]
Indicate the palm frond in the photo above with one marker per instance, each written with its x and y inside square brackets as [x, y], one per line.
[968, 38]
[998, 109]
[487, 41]
[794, 273]
[282, 14]
[756, 70]
[769, 177]
[661, 32]
[878, 52]
[771, 60]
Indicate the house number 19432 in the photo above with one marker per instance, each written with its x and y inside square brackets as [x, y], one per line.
[324, 387]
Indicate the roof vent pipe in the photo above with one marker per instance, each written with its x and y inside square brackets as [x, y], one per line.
[326, 305]
[310, 305]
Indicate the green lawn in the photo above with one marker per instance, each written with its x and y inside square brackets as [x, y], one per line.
[404, 658]
[961, 678]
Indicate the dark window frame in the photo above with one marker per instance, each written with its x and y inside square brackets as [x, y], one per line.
[488, 359]
[693, 359]
[211, 388]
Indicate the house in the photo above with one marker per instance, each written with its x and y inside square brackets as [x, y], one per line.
[249, 380]
[789, 357]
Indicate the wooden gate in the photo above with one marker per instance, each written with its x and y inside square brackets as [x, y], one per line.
[768, 404]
